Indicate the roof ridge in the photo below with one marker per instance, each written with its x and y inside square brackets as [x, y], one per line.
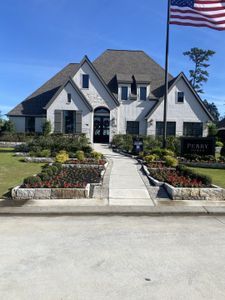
[125, 50]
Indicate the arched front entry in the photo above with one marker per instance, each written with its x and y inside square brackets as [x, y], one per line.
[101, 125]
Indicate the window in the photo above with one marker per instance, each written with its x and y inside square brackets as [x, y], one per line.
[143, 93]
[69, 98]
[124, 93]
[170, 130]
[85, 81]
[133, 127]
[193, 129]
[69, 121]
[180, 97]
[30, 124]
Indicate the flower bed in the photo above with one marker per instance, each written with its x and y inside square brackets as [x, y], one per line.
[184, 184]
[180, 177]
[56, 182]
[69, 177]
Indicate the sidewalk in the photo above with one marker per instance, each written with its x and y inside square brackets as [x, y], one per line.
[126, 187]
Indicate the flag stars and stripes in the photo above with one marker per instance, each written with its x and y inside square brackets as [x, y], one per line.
[201, 13]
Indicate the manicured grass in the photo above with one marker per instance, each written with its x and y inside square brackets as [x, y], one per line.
[217, 175]
[13, 170]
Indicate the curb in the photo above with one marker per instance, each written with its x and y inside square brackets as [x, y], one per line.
[111, 211]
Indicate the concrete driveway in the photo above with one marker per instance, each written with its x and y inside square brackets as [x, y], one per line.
[112, 258]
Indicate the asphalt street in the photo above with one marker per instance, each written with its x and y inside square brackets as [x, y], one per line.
[117, 257]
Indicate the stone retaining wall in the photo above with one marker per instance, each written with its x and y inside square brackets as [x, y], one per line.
[19, 193]
[214, 193]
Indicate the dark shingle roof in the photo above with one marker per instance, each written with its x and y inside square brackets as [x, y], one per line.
[113, 62]
[35, 103]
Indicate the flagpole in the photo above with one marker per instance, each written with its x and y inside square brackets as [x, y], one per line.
[166, 76]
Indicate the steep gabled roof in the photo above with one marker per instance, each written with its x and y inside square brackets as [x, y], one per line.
[101, 79]
[131, 63]
[171, 84]
[35, 103]
[71, 81]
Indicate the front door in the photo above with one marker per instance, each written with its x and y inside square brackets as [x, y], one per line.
[101, 129]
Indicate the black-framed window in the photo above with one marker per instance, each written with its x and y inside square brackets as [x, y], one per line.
[69, 98]
[143, 93]
[69, 121]
[30, 124]
[124, 93]
[170, 129]
[133, 127]
[180, 97]
[85, 81]
[194, 129]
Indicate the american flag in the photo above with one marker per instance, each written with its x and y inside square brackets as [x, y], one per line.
[199, 13]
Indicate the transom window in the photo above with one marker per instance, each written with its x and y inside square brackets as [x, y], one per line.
[170, 129]
[85, 81]
[193, 129]
[124, 93]
[133, 127]
[143, 93]
[180, 97]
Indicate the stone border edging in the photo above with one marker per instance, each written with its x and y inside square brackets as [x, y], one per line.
[214, 193]
[204, 165]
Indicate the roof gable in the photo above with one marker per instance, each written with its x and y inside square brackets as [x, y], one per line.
[171, 84]
[95, 71]
[70, 80]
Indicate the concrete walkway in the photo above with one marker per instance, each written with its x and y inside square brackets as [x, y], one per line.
[126, 186]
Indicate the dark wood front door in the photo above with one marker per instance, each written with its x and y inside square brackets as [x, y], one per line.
[101, 129]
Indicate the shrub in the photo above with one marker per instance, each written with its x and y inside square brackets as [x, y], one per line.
[162, 152]
[58, 166]
[150, 158]
[8, 127]
[56, 143]
[212, 130]
[96, 155]
[32, 180]
[44, 176]
[80, 155]
[45, 153]
[150, 142]
[62, 157]
[171, 161]
[219, 144]
[123, 142]
[47, 128]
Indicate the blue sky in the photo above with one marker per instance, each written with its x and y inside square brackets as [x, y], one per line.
[39, 37]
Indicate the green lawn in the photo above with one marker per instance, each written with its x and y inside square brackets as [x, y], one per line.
[13, 170]
[217, 175]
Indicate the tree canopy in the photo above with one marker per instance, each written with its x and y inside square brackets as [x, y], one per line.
[199, 74]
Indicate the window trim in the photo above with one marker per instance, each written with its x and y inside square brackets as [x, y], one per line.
[121, 92]
[161, 129]
[202, 129]
[82, 81]
[180, 102]
[138, 127]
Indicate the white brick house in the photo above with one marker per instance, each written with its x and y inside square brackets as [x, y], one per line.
[120, 92]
